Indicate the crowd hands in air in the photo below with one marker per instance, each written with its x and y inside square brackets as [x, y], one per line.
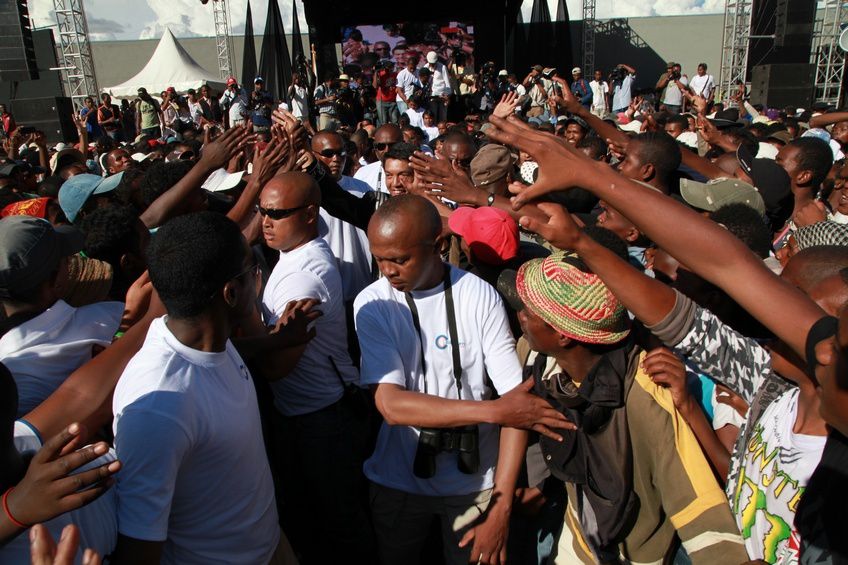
[566, 322]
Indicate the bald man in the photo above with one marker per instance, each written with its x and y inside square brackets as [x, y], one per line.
[348, 243]
[373, 174]
[428, 330]
[323, 435]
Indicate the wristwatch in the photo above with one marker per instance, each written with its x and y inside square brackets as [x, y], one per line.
[490, 200]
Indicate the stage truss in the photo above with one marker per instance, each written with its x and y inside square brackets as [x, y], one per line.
[74, 51]
[223, 41]
[825, 54]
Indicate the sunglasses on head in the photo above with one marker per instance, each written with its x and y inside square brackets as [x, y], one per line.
[330, 153]
[383, 146]
[279, 213]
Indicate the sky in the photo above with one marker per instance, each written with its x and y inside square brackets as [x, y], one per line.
[145, 19]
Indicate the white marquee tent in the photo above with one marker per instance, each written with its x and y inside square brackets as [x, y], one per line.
[170, 65]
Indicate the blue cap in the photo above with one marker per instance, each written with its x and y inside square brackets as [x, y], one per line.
[76, 191]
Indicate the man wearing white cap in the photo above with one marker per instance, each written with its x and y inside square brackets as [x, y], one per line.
[440, 89]
[580, 87]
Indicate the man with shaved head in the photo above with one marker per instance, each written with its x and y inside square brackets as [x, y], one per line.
[322, 432]
[432, 337]
[373, 174]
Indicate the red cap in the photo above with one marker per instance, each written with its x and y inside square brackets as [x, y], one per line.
[170, 89]
[231, 80]
[491, 233]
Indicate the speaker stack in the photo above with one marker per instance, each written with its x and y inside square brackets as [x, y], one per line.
[780, 69]
[17, 52]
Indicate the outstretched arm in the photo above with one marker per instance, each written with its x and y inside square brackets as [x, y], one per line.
[705, 247]
[823, 120]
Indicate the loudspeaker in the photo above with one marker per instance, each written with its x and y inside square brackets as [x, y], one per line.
[53, 116]
[791, 24]
[778, 86]
[17, 53]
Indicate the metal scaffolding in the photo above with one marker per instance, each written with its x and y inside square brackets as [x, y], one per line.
[825, 54]
[223, 41]
[734, 45]
[74, 51]
[589, 24]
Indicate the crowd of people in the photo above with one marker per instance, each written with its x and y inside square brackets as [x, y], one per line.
[535, 320]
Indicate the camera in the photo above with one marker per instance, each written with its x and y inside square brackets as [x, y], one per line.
[675, 75]
[384, 64]
[617, 74]
[465, 441]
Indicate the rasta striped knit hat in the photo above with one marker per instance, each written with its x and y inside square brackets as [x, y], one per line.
[562, 291]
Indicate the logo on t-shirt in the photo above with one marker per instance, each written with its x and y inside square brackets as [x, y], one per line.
[442, 341]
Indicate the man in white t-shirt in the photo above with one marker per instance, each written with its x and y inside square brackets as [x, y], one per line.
[407, 80]
[600, 93]
[196, 486]
[42, 338]
[703, 84]
[672, 84]
[373, 174]
[316, 388]
[299, 98]
[426, 329]
[348, 243]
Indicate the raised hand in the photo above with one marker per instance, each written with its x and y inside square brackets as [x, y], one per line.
[49, 489]
[559, 230]
[272, 158]
[506, 107]
[568, 101]
[44, 551]
[217, 153]
[560, 165]
[438, 178]
[709, 132]
[520, 408]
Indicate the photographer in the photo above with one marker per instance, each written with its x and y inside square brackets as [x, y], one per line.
[671, 86]
[430, 336]
[621, 79]
[537, 89]
[325, 100]
[385, 82]
[440, 90]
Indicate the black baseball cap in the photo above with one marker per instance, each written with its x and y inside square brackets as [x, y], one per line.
[30, 251]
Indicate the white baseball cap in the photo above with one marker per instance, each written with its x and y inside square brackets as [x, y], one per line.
[576, 71]
[432, 57]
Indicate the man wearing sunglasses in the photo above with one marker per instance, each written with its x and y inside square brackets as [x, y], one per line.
[348, 243]
[313, 390]
[373, 174]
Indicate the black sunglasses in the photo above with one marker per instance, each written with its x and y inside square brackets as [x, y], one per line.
[330, 153]
[279, 213]
[383, 146]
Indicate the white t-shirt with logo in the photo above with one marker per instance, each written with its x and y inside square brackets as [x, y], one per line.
[391, 353]
[42, 352]
[97, 521]
[310, 271]
[777, 465]
[195, 474]
[348, 243]
[373, 175]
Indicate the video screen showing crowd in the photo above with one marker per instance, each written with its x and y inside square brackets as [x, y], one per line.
[423, 310]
